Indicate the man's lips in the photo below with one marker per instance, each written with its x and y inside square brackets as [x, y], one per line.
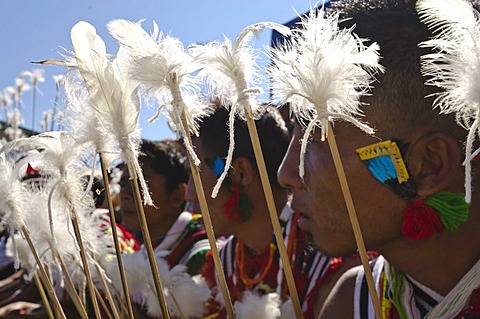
[305, 221]
[298, 208]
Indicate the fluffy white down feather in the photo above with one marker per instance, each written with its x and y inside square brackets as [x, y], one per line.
[115, 101]
[322, 73]
[231, 72]
[164, 69]
[454, 66]
[12, 198]
[27, 261]
[137, 276]
[184, 296]
[180, 289]
[50, 204]
[287, 310]
[255, 306]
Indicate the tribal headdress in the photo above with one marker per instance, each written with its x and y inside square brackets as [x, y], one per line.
[231, 72]
[162, 67]
[322, 72]
[454, 66]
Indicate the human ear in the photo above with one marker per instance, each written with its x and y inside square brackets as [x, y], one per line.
[177, 195]
[243, 171]
[433, 162]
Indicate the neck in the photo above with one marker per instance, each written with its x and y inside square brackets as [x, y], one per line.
[160, 229]
[456, 252]
[257, 232]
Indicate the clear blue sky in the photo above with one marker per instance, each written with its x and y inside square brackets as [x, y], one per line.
[37, 30]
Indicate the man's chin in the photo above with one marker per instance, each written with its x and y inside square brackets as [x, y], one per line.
[130, 223]
[331, 250]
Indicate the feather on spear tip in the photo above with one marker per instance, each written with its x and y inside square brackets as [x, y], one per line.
[454, 66]
[163, 68]
[61, 192]
[322, 72]
[230, 71]
[12, 199]
[114, 99]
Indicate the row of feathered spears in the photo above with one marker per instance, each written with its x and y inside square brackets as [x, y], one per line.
[322, 72]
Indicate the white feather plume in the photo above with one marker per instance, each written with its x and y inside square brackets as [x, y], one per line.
[17, 247]
[12, 196]
[162, 67]
[323, 72]
[115, 100]
[232, 73]
[50, 206]
[255, 306]
[82, 120]
[180, 289]
[287, 310]
[12, 202]
[454, 66]
[137, 277]
[185, 297]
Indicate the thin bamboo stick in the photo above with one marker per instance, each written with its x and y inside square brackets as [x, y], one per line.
[46, 303]
[208, 226]
[43, 275]
[102, 302]
[107, 292]
[267, 189]
[120, 301]
[86, 270]
[354, 221]
[118, 252]
[77, 302]
[148, 241]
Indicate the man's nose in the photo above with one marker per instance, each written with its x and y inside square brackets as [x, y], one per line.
[288, 174]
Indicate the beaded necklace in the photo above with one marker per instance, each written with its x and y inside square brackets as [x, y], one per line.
[240, 263]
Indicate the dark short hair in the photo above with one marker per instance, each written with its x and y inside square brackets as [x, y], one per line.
[167, 158]
[273, 135]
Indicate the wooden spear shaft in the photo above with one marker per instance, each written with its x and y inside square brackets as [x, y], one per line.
[354, 221]
[43, 275]
[208, 226]
[46, 303]
[147, 241]
[108, 294]
[77, 302]
[267, 189]
[118, 251]
[104, 305]
[86, 270]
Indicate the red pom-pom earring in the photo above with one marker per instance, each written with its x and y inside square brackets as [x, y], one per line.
[420, 220]
[237, 207]
[426, 216]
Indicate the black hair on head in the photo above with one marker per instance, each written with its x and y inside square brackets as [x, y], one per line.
[167, 158]
[272, 132]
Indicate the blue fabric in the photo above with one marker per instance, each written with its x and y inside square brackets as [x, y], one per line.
[218, 166]
[382, 168]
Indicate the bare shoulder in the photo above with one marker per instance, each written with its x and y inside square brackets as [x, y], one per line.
[339, 302]
[329, 282]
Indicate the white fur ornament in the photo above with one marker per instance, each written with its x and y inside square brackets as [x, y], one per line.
[254, 306]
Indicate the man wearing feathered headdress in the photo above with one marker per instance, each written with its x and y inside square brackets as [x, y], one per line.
[250, 258]
[407, 181]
